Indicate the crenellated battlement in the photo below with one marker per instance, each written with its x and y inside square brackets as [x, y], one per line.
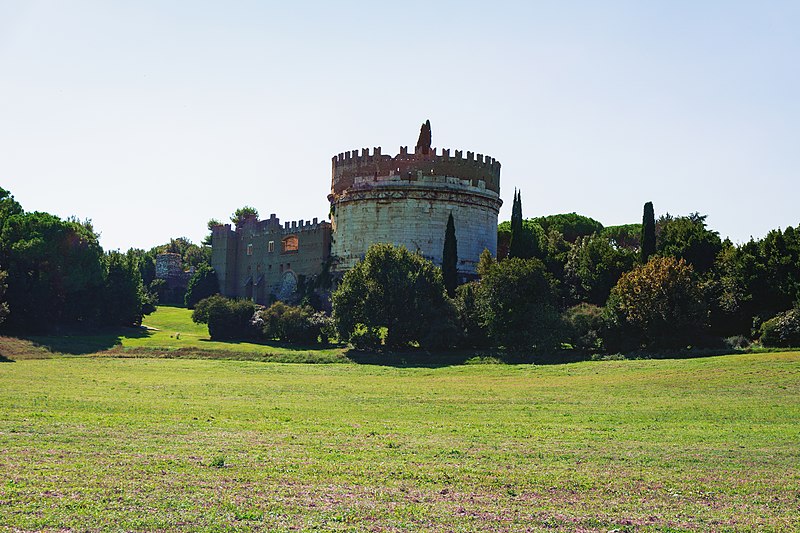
[270, 225]
[353, 166]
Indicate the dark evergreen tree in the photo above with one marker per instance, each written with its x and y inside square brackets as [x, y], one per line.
[515, 247]
[203, 283]
[450, 258]
[525, 243]
[648, 232]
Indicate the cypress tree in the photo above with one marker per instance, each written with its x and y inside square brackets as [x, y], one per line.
[450, 258]
[648, 233]
[517, 246]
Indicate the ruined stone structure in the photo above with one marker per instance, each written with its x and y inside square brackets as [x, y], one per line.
[404, 200]
[264, 259]
[169, 267]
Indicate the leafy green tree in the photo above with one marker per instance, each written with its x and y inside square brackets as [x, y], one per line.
[648, 233]
[146, 261]
[628, 236]
[55, 271]
[755, 281]
[593, 267]
[211, 224]
[243, 213]
[3, 305]
[202, 284]
[485, 263]
[123, 294]
[688, 238]
[397, 290]
[450, 258]
[658, 304]
[191, 254]
[569, 225]
[8, 207]
[518, 305]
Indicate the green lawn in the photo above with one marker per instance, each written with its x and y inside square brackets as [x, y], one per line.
[170, 332]
[92, 443]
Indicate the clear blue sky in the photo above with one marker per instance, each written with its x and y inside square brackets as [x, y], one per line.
[151, 117]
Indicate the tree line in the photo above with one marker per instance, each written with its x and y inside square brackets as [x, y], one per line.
[54, 274]
[567, 282]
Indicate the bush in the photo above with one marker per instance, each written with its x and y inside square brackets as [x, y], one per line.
[294, 324]
[227, 319]
[365, 338]
[584, 324]
[782, 330]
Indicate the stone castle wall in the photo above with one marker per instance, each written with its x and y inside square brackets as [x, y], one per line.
[252, 262]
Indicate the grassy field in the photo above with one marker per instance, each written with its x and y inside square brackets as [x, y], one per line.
[170, 332]
[710, 444]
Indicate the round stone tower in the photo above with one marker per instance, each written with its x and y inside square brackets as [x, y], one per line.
[406, 200]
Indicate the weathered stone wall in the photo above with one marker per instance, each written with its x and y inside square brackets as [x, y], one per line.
[414, 214]
[267, 270]
[347, 167]
[168, 265]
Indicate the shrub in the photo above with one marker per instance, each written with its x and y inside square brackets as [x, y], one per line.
[782, 330]
[227, 319]
[584, 323]
[365, 338]
[294, 324]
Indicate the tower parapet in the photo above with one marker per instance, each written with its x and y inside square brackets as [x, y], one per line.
[406, 200]
[348, 166]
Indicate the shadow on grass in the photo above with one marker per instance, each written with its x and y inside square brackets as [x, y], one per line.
[288, 346]
[4, 359]
[443, 358]
[81, 343]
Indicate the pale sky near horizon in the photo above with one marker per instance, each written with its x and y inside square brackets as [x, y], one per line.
[151, 117]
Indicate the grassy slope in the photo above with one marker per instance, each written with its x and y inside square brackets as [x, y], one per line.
[173, 334]
[132, 444]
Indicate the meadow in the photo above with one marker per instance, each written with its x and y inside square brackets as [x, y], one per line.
[170, 333]
[136, 443]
